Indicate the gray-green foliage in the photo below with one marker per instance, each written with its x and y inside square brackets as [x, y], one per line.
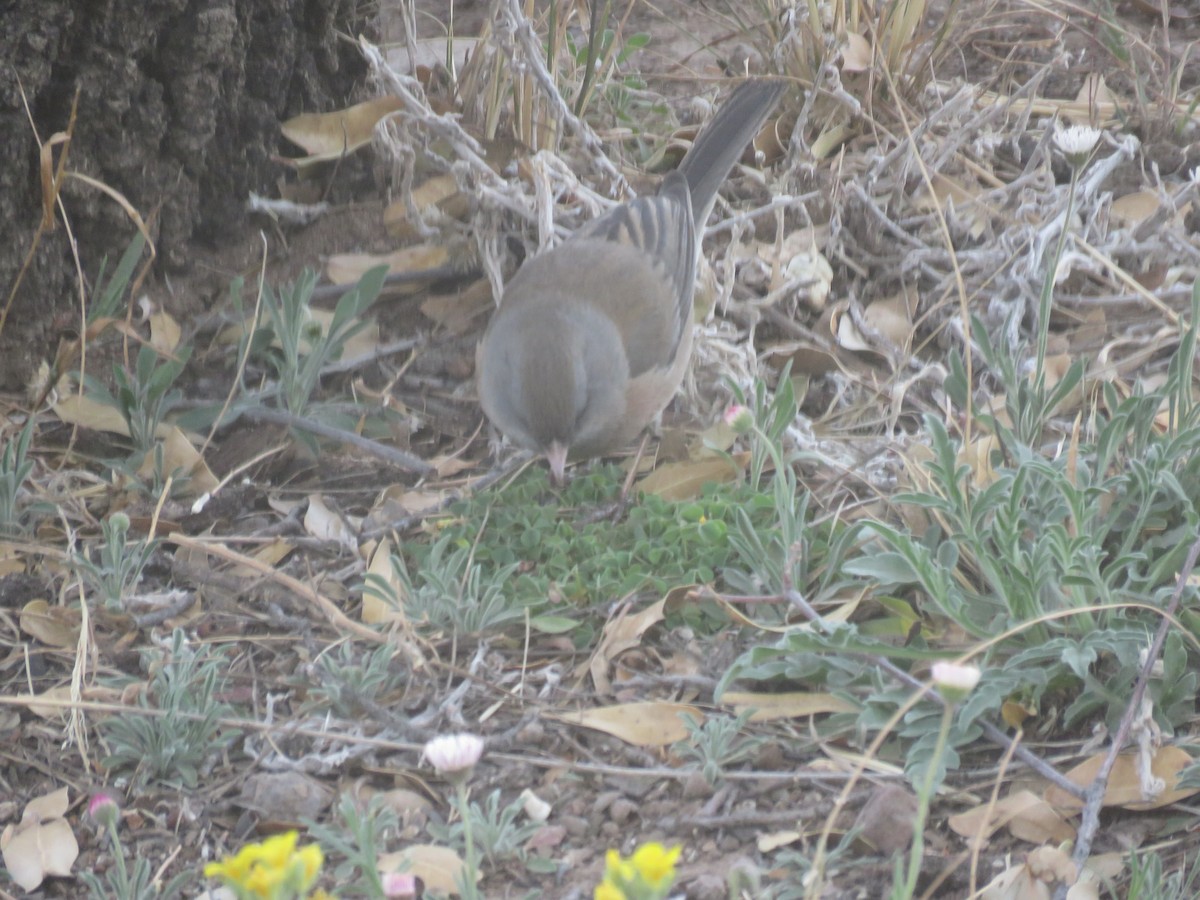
[135, 879]
[109, 295]
[777, 545]
[144, 396]
[717, 743]
[1052, 536]
[452, 592]
[171, 743]
[118, 565]
[355, 842]
[1151, 879]
[15, 467]
[296, 345]
[350, 681]
[500, 832]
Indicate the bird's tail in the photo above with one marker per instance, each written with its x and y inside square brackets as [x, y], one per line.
[720, 143]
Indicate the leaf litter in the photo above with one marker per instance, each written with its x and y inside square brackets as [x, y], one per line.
[898, 221]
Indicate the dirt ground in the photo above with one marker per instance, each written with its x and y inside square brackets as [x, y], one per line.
[604, 792]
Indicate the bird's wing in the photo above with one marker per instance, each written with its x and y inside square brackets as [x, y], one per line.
[660, 230]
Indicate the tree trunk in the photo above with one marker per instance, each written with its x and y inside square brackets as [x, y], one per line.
[178, 111]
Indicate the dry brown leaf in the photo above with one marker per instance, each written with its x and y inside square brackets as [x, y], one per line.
[965, 199]
[42, 844]
[1045, 869]
[382, 596]
[1124, 786]
[461, 312]
[179, 452]
[56, 711]
[329, 136]
[1016, 883]
[856, 55]
[807, 358]
[716, 438]
[797, 242]
[275, 552]
[361, 346]
[54, 626]
[786, 705]
[812, 271]
[1052, 864]
[323, 523]
[404, 802]
[400, 500]
[82, 410]
[53, 805]
[440, 192]
[449, 466]
[439, 867]
[646, 724]
[11, 563]
[889, 324]
[620, 634]
[1027, 816]
[180, 455]
[685, 480]
[165, 332]
[1015, 712]
[768, 841]
[1095, 92]
[270, 554]
[685, 664]
[1134, 208]
[347, 268]
[626, 631]
[977, 455]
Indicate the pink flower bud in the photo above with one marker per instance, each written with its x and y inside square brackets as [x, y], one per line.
[399, 884]
[103, 809]
[739, 418]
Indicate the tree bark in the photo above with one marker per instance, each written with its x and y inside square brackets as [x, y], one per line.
[178, 111]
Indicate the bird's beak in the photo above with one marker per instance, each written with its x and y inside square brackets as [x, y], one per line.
[556, 455]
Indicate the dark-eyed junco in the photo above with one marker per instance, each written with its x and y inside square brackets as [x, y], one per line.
[593, 337]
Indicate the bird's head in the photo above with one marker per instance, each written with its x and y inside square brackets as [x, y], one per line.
[553, 379]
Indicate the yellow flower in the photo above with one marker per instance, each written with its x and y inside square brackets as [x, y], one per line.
[264, 881]
[310, 858]
[271, 870]
[656, 864]
[646, 875]
[278, 849]
[236, 868]
[606, 891]
[618, 870]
